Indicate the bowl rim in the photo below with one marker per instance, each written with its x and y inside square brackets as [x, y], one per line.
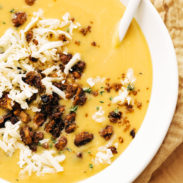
[149, 138]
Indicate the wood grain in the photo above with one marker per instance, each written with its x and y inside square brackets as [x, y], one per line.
[171, 170]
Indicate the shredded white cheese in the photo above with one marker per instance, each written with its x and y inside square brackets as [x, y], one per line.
[15, 52]
[93, 81]
[29, 162]
[72, 62]
[99, 116]
[104, 154]
[130, 78]
[123, 95]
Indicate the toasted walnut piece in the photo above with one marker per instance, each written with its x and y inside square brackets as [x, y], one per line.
[78, 69]
[5, 118]
[24, 117]
[71, 90]
[30, 2]
[37, 137]
[116, 86]
[39, 119]
[80, 97]
[79, 154]
[107, 132]
[120, 140]
[29, 35]
[45, 145]
[62, 37]
[19, 18]
[70, 128]
[65, 58]
[62, 142]
[35, 41]
[115, 116]
[5, 102]
[34, 79]
[70, 124]
[26, 134]
[49, 126]
[94, 43]
[132, 133]
[129, 107]
[60, 85]
[113, 149]
[83, 138]
[86, 30]
[33, 59]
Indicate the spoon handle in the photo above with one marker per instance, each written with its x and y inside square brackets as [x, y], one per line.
[127, 18]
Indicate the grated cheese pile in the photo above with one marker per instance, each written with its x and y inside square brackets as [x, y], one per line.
[29, 162]
[99, 116]
[15, 64]
[123, 95]
[104, 154]
[15, 52]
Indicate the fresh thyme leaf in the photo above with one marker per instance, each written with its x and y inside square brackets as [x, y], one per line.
[97, 108]
[68, 149]
[51, 145]
[12, 10]
[90, 165]
[74, 108]
[101, 92]
[3, 22]
[88, 90]
[116, 111]
[53, 140]
[130, 87]
[101, 102]
[110, 98]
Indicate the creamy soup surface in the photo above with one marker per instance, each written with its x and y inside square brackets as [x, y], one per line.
[102, 61]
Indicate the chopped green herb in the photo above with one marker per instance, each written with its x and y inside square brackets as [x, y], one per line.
[2, 134]
[90, 165]
[53, 140]
[51, 145]
[101, 87]
[101, 102]
[60, 152]
[12, 10]
[101, 92]
[89, 152]
[68, 149]
[68, 30]
[110, 98]
[88, 90]
[97, 108]
[74, 108]
[130, 87]
[116, 111]
[3, 22]
[39, 144]
[140, 73]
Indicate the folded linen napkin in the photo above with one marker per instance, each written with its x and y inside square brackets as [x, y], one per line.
[171, 12]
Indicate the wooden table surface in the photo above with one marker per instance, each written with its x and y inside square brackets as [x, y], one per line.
[172, 169]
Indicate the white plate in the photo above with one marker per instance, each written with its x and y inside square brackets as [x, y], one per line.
[162, 103]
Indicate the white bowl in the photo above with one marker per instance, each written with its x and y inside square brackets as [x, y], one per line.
[161, 107]
[162, 103]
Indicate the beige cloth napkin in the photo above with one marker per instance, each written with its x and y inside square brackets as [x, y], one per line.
[171, 12]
